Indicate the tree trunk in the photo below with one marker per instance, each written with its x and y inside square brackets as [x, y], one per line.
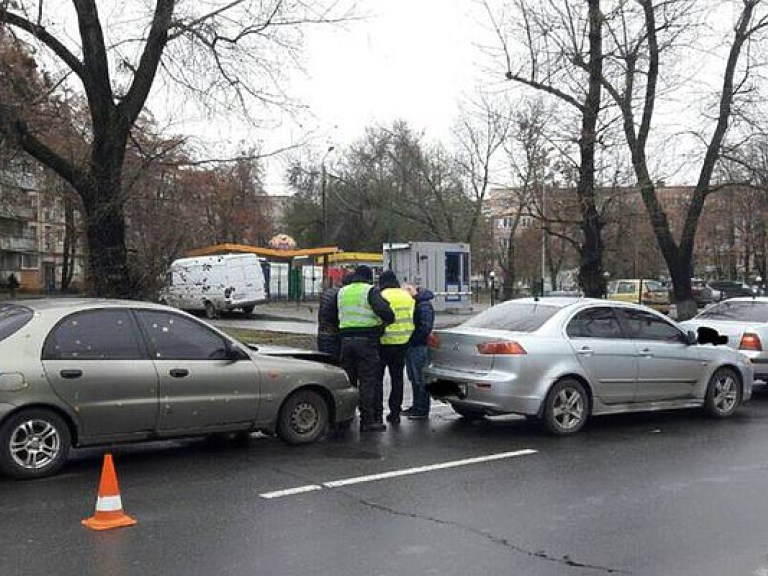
[107, 255]
[591, 252]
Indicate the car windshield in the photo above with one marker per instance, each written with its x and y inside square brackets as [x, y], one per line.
[12, 318]
[514, 316]
[653, 286]
[746, 311]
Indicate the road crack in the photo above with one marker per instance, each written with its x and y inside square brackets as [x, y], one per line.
[541, 554]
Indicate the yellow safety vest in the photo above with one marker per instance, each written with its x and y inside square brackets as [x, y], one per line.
[399, 332]
[354, 309]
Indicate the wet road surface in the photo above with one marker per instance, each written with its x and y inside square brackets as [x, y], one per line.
[658, 494]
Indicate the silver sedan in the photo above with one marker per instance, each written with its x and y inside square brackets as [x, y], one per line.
[744, 322]
[563, 360]
[80, 372]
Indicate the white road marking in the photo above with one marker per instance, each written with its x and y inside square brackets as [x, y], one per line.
[291, 491]
[397, 473]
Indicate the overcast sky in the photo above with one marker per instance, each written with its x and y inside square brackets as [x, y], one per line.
[407, 59]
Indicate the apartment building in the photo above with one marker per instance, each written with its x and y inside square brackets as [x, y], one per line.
[33, 227]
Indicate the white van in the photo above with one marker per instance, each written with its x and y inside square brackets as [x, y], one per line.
[215, 283]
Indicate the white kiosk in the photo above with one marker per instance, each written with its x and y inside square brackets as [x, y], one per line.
[442, 267]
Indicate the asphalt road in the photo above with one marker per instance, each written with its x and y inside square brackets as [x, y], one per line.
[657, 494]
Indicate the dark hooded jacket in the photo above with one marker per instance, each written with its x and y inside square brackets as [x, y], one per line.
[423, 318]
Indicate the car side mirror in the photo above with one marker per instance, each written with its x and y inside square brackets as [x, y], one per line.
[235, 353]
[690, 338]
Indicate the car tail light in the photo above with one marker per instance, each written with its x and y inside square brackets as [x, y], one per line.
[433, 341]
[507, 347]
[750, 341]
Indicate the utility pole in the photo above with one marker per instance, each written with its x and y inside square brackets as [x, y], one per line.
[324, 214]
[324, 206]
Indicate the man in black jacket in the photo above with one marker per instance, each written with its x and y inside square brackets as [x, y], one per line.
[363, 314]
[328, 336]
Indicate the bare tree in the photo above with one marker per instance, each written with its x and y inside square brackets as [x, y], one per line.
[480, 134]
[230, 56]
[553, 34]
[632, 81]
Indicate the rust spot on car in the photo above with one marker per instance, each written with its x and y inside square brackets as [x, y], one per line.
[273, 374]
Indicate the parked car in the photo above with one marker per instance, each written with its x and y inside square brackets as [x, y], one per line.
[640, 291]
[84, 372]
[703, 293]
[563, 360]
[730, 289]
[744, 321]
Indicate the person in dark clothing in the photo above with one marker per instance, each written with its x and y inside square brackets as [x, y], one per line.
[13, 284]
[363, 314]
[417, 356]
[328, 336]
[394, 341]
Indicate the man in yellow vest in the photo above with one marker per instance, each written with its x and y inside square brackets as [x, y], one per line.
[363, 314]
[394, 341]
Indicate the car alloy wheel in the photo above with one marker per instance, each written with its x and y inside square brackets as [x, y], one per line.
[723, 393]
[35, 443]
[303, 418]
[566, 408]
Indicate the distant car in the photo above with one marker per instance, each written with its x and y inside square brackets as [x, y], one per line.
[744, 321]
[703, 293]
[652, 293]
[84, 372]
[562, 360]
[730, 289]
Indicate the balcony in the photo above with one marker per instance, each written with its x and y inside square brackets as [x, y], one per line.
[18, 244]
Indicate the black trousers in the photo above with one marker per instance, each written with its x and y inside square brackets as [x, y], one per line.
[393, 359]
[360, 360]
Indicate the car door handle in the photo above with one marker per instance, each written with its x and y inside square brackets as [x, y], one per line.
[646, 353]
[179, 372]
[585, 351]
[71, 374]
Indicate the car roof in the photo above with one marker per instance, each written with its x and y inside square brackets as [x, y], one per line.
[64, 304]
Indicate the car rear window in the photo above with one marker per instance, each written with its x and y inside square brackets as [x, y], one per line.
[746, 311]
[517, 317]
[12, 318]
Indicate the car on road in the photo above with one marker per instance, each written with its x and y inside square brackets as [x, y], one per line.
[85, 372]
[730, 289]
[744, 322]
[563, 360]
[640, 291]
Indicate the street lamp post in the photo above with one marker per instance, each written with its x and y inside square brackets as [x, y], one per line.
[324, 206]
[492, 276]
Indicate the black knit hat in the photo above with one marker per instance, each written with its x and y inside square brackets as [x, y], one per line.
[388, 280]
[363, 273]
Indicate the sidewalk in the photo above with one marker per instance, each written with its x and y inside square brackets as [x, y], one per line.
[307, 312]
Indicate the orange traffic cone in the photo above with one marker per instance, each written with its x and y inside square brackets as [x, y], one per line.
[109, 506]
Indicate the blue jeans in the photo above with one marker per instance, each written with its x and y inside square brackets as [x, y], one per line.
[415, 361]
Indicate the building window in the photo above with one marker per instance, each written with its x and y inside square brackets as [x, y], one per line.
[30, 262]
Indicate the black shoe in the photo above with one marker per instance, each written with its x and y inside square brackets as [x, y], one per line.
[417, 416]
[408, 411]
[377, 427]
[393, 418]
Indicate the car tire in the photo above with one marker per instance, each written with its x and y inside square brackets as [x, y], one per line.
[566, 407]
[247, 311]
[724, 393]
[468, 413]
[303, 418]
[33, 444]
[210, 310]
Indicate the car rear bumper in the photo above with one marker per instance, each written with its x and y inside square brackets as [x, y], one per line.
[489, 392]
